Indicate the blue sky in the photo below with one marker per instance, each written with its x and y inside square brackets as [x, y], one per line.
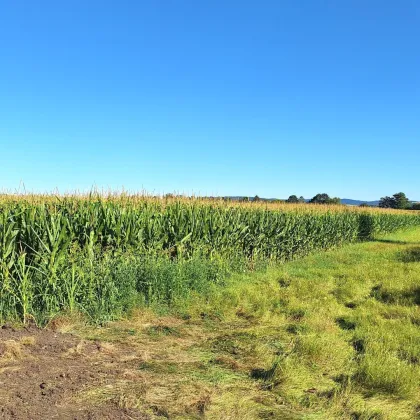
[211, 97]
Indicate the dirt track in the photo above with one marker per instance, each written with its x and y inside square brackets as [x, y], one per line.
[43, 372]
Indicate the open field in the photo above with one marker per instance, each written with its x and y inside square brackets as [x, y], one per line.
[334, 335]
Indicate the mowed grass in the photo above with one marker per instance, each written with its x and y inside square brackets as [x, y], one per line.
[335, 335]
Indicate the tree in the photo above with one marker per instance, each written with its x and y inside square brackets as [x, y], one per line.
[415, 206]
[320, 199]
[364, 205]
[301, 199]
[387, 202]
[324, 199]
[256, 198]
[292, 199]
[397, 201]
[401, 201]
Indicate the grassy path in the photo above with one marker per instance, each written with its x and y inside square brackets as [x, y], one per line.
[332, 336]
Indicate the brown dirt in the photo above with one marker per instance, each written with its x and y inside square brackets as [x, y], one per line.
[43, 373]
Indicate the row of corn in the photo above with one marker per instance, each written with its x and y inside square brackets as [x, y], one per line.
[104, 255]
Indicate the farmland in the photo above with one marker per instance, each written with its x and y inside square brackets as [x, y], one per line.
[104, 256]
[333, 335]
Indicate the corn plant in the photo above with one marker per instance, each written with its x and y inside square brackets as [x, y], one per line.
[59, 253]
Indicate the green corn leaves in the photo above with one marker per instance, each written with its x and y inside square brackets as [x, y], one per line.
[56, 253]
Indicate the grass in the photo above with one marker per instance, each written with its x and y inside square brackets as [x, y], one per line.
[335, 335]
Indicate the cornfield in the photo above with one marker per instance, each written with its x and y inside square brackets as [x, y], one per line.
[104, 255]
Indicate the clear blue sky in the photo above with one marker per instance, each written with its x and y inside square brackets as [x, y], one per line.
[226, 97]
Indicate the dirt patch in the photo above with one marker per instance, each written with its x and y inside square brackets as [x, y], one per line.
[42, 372]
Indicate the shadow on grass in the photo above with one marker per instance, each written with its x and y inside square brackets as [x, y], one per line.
[265, 374]
[345, 323]
[391, 241]
[401, 297]
[411, 255]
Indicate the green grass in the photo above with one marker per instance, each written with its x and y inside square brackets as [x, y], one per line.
[335, 335]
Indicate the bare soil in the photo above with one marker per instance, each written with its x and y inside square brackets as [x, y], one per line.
[42, 373]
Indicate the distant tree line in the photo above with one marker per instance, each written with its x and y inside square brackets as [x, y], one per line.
[317, 199]
[295, 199]
[398, 201]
